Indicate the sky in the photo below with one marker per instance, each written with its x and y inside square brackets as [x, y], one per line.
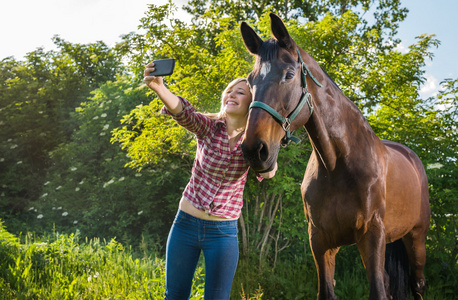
[28, 24]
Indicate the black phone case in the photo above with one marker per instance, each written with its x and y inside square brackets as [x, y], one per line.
[163, 67]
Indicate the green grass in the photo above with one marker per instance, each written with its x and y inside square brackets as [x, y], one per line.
[61, 267]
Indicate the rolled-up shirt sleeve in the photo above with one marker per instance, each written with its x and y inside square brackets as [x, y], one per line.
[190, 119]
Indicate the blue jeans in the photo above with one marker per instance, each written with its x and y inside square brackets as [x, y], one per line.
[187, 238]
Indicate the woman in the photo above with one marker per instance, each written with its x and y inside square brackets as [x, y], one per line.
[212, 201]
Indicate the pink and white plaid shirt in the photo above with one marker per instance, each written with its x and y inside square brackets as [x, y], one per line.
[218, 174]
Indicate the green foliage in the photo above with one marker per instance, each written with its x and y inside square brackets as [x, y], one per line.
[36, 99]
[146, 143]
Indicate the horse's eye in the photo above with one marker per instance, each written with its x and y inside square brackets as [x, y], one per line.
[289, 76]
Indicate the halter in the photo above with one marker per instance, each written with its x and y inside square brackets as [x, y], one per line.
[305, 98]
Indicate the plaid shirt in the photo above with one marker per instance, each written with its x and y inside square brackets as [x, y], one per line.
[218, 174]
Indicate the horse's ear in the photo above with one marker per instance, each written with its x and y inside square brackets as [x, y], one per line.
[280, 33]
[251, 39]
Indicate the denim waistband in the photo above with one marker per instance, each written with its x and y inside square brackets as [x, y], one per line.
[187, 216]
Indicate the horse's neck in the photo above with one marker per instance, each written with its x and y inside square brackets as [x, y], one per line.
[337, 127]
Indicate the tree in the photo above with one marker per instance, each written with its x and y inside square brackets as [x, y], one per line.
[36, 98]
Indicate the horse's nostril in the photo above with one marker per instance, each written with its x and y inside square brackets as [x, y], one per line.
[263, 151]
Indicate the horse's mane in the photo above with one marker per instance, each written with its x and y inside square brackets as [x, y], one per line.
[330, 79]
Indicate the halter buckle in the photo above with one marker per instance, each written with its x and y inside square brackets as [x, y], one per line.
[286, 125]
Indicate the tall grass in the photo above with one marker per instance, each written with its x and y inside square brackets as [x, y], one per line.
[70, 267]
[61, 267]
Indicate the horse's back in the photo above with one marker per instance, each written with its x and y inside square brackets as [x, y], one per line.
[407, 200]
[396, 149]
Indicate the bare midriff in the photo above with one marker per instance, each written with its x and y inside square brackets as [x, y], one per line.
[188, 208]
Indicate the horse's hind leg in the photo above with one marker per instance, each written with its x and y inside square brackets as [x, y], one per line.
[414, 242]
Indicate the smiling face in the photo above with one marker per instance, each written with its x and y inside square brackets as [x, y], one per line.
[236, 99]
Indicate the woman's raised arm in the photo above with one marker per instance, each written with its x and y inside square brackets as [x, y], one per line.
[156, 83]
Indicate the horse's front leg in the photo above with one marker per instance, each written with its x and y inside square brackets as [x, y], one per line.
[371, 246]
[325, 263]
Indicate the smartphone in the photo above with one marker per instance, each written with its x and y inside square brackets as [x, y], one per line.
[163, 67]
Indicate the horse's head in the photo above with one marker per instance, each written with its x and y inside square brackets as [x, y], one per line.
[278, 91]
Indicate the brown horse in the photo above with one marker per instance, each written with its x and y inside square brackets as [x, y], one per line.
[356, 189]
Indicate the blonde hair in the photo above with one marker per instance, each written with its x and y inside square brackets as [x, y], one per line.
[222, 112]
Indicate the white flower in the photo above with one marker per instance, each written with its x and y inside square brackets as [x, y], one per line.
[108, 183]
[82, 181]
[138, 175]
[121, 179]
[95, 118]
[64, 214]
[14, 146]
[53, 208]
[32, 208]
[40, 216]
[77, 189]
[40, 112]
[19, 162]
[74, 169]
[102, 134]
[2, 159]
[75, 222]
[435, 166]
[104, 115]
[58, 188]
[106, 126]
[47, 182]
[89, 278]
[140, 212]
[59, 208]
[44, 195]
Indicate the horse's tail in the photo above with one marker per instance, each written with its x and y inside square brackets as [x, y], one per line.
[397, 267]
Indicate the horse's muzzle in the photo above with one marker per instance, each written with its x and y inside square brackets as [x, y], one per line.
[258, 156]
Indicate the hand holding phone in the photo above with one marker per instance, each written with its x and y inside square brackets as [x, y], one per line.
[163, 67]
